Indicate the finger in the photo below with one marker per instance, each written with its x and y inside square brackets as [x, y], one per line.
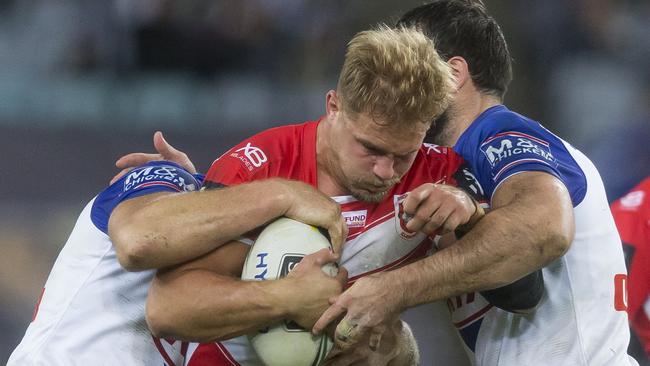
[324, 256]
[119, 175]
[163, 147]
[134, 159]
[348, 333]
[375, 337]
[342, 276]
[438, 218]
[423, 214]
[333, 312]
[338, 234]
[414, 198]
[452, 222]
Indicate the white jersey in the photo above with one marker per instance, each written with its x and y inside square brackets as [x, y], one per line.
[92, 311]
[581, 319]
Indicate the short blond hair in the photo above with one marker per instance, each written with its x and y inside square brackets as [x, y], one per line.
[395, 75]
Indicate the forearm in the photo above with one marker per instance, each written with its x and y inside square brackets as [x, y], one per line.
[499, 250]
[175, 228]
[199, 305]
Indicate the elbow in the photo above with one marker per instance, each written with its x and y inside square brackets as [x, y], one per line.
[163, 325]
[556, 242]
[132, 250]
[160, 322]
[164, 322]
[553, 231]
[132, 253]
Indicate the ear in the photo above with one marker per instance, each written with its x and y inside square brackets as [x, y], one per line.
[332, 106]
[460, 71]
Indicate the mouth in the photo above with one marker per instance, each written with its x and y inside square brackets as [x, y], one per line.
[378, 189]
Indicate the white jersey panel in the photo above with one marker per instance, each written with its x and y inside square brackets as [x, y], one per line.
[92, 310]
[576, 322]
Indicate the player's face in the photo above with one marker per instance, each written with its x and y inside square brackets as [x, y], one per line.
[372, 156]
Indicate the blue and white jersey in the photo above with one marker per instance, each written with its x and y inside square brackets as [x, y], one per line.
[579, 321]
[92, 310]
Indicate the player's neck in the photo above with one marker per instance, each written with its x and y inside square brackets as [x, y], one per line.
[467, 107]
[326, 178]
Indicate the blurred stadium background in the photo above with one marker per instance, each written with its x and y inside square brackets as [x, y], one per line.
[83, 82]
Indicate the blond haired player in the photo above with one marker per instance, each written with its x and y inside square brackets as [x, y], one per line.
[367, 154]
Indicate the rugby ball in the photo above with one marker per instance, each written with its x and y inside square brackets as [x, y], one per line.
[279, 247]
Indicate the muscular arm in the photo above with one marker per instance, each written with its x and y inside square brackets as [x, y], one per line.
[196, 303]
[204, 301]
[161, 230]
[531, 224]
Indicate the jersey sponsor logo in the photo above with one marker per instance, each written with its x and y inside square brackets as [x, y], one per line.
[401, 217]
[503, 146]
[355, 218]
[157, 175]
[253, 157]
[434, 148]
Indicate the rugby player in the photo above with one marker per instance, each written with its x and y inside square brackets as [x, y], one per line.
[549, 210]
[367, 154]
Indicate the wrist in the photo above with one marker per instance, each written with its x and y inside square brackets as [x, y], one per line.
[479, 212]
[281, 196]
[280, 297]
[399, 302]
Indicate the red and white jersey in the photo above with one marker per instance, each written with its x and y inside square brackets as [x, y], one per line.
[377, 238]
[632, 216]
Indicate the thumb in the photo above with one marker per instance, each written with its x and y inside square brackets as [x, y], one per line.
[162, 146]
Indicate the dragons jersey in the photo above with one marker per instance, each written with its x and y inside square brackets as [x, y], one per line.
[377, 238]
[581, 319]
[91, 310]
[632, 215]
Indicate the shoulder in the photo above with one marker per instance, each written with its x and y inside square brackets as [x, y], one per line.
[262, 154]
[501, 143]
[499, 127]
[153, 177]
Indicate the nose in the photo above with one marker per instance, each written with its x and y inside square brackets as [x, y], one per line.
[384, 167]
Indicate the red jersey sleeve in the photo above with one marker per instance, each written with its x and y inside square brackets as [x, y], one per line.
[246, 161]
[285, 152]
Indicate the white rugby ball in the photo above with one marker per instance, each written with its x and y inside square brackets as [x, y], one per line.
[280, 246]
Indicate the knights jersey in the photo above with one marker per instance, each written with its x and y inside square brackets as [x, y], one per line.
[91, 310]
[632, 215]
[581, 320]
[378, 239]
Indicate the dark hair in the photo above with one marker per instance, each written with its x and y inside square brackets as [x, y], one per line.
[464, 28]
